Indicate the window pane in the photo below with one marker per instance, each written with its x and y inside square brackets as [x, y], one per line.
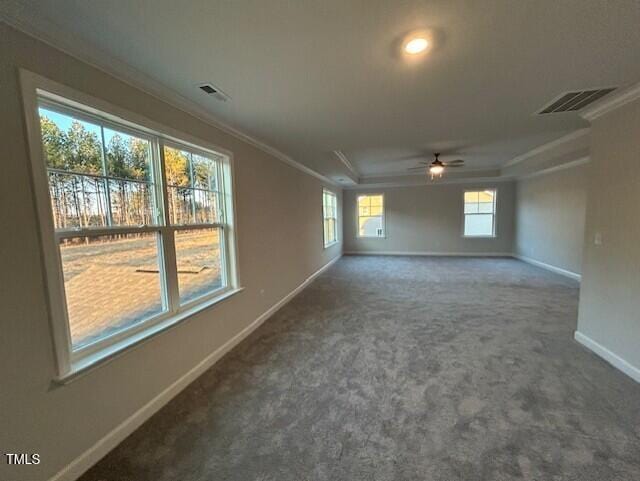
[131, 203]
[180, 205]
[485, 207]
[486, 199]
[176, 165]
[370, 216]
[325, 233]
[111, 283]
[471, 208]
[127, 157]
[193, 185]
[70, 144]
[204, 173]
[370, 226]
[470, 197]
[199, 262]
[328, 208]
[486, 196]
[206, 206]
[80, 201]
[329, 231]
[332, 201]
[376, 200]
[364, 201]
[77, 200]
[478, 225]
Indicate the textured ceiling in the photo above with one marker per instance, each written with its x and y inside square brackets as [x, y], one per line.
[311, 77]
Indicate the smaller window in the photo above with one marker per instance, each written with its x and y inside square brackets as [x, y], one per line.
[480, 213]
[329, 217]
[371, 215]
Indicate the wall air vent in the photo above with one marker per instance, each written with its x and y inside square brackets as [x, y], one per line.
[213, 91]
[573, 101]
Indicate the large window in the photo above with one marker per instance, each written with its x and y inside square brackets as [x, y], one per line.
[329, 217]
[141, 224]
[371, 215]
[480, 213]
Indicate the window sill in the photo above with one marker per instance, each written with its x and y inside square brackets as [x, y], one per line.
[331, 244]
[92, 361]
[371, 237]
[480, 236]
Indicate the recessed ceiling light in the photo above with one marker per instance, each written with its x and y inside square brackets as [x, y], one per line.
[416, 45]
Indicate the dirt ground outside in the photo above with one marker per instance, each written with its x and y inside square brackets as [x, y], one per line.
[113, 284]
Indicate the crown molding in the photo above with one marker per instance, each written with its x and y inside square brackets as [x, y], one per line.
[435, 183]
[403, 179]
[343, 158]
[417, 175]
[85, 52]
[548, 146]
[490, 171]
[556, 168]
[611, 102]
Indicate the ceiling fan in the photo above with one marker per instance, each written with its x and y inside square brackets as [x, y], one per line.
[436, 166]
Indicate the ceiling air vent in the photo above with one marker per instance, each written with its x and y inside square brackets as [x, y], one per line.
[573, 101]
[214, 91]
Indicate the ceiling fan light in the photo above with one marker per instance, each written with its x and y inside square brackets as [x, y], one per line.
[436, 170]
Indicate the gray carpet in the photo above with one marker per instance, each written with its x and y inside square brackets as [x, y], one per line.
[402, 368]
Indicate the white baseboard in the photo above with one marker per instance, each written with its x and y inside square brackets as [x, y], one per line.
[613, 359]
[549, 267]
[428, 253]
[81, 464]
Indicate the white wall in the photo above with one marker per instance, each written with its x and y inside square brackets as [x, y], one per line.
[609, 313]
[550, 216]
[429, 219]
[280, 245]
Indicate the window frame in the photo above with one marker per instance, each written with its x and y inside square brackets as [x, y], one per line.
[324, 218]
[37, 90]
[383, 215]
[494, 225]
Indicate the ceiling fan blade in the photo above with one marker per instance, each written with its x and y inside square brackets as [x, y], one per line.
[451, 162]
[453, 165]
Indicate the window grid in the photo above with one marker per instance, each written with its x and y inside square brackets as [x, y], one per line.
[155, 219]
[371, 215]
[330, 217]
[214, 208]
[480, 213]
